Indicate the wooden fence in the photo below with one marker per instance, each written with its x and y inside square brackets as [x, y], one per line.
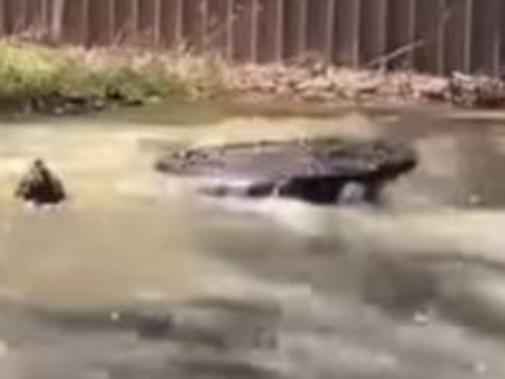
[436, 36]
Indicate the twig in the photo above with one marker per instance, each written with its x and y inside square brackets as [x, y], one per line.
[386, 58]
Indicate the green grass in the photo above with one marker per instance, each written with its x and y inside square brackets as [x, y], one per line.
[30, 71]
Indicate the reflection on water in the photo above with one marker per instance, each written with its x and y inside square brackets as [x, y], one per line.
[138, 278]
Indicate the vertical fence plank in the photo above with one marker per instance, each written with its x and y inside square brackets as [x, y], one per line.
[356, 35]
[454, 43]
[401, 33]
[500, 20]
[22, 16]
[279, 35]
[56, 10]
[170, 23]
[303, 26]
[45, 14]
[111, 22]
[497, 40]
[158, 17]
[100, 31]
[485, 35]
[230, 21]
[467, 64]
[428, 30]
[123, 28]
[255, 14]
[343, 32]
[218, 26]
[266, 30]
[317, 27]
[11, 9]
[270, 34]
[2, 18]
[443, 17]
[73, 22]
[412, 26]
[34, 19]
[146, 22]
[293, 28]
[192, 24]
[373, 29]
[242, 30]
[179, 16]
[330, 27]
[135, 21]
[204, 9]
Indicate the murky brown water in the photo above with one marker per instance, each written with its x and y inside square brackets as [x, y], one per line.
[138, 278]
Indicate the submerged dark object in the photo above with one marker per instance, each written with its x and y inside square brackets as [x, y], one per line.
[40, 186]
[318, 170]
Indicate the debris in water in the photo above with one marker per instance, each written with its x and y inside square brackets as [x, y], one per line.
[40, 186]
[317, 170]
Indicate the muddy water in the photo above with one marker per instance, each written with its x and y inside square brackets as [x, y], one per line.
[138, 278]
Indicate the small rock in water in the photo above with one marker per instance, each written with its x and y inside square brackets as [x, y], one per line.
[40, 186]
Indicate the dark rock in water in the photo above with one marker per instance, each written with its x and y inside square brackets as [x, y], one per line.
[319, 170]
[40, 186]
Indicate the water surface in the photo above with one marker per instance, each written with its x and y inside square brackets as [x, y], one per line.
[136, 277]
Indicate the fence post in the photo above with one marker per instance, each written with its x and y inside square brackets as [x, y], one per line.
[205, 24]
[330, 27]
[497, 37]
[254, 30]
[279, 35]
[356, 34]
[412, 26]
[467, 64]
[2, 17]
[85, 22]
[230, 20]
[57, 13]
[441, 25]
[111, 20]
[158, 13]
[383, 30]
[302, 48]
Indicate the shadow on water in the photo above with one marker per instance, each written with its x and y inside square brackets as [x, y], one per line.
[137, 278]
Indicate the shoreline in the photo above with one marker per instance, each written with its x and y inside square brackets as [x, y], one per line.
[36, 79]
